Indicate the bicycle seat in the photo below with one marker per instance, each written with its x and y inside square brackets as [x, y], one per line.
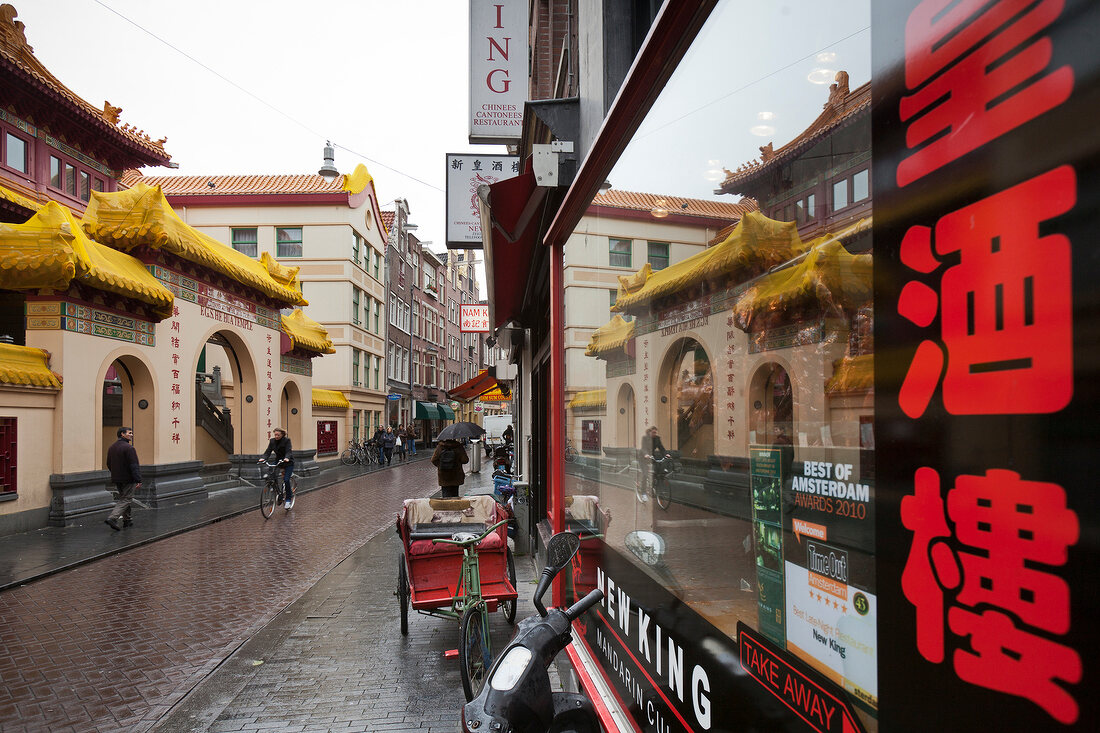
[465, 536]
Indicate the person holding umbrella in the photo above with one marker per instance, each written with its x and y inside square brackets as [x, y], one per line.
[450, 456]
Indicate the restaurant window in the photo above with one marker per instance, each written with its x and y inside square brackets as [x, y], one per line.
[288, 241]
[245, 241]
[619, 252]
[16, 153]
[720, 392]
[657, 255]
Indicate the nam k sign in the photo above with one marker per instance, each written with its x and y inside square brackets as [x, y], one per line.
[474, 318]
[498, 70]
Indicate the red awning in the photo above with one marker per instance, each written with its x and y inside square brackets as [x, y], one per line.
[474, 388]
[510, 224]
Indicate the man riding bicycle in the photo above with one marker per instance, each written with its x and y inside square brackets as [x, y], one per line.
[279, 445]
[653, 450]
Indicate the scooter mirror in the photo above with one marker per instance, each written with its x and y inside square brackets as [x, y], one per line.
[559, 551]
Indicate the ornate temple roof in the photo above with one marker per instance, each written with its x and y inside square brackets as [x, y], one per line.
[50, 251]
[329, 398]
[142, 216]
[27, 366]
[19, 64]
[611, 335]
[842, 106]
[306, 333]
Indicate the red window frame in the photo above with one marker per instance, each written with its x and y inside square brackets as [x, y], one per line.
[9, 450]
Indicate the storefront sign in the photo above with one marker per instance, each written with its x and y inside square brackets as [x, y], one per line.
[985, 310]
[498, 70]
[474, 318]
[393, 397]
[766, 473]
[464, 174]
[798, 689]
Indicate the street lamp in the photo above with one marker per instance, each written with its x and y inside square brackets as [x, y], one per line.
[328, 170]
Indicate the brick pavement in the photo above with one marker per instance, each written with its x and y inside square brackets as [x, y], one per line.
[338, 661]
[114, 644]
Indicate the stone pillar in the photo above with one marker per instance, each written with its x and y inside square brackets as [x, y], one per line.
[171, 483]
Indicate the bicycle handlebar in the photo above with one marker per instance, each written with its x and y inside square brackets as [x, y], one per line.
[472, 540]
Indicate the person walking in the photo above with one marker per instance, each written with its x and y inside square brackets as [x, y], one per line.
[122, 462]
[279, 445]
[411, 430]
[400, 441]
[449, 457]
[389, 440]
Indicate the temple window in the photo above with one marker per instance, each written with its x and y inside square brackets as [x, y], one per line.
[15, 152]
[840, 194]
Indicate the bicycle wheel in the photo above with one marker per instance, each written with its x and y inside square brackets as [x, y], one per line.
[475, 654]
[510, 606]
[347, 457]
[293, 490]
[403, 594]
[268, 497]
[662, 487]
[642, 487]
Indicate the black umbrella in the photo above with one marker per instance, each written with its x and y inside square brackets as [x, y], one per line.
[461, 430]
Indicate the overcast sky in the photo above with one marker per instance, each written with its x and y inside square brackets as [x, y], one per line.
[387, 80]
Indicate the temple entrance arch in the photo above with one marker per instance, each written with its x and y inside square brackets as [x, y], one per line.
[626, 434]
[290, 413]
[685, 412]
[771, 397]
[228, 399]
[127, 400]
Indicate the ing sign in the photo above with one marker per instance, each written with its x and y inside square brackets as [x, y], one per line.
[498, 69]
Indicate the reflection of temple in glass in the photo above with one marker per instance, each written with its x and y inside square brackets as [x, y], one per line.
[769, 325]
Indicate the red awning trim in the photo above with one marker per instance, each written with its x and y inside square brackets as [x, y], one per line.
[474, 388]
[509, 223]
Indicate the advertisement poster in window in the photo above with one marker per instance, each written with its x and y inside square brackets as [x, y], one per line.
[986, 403]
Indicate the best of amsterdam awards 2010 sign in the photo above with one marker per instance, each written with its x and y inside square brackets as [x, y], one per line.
[498, 70]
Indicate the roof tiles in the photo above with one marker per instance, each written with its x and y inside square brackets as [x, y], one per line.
[635, 201]
[244, 184]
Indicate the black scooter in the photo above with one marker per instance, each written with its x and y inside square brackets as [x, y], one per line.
[516, 697]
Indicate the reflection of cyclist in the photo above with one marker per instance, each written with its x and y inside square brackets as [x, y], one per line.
[653, 450]
[279, 445]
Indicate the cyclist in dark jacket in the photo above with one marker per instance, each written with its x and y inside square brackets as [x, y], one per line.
[122, 461]
[279, 445]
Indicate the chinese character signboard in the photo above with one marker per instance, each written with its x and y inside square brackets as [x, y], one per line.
[985, 189]
[498, 70]
[464, 174]
[474, 318]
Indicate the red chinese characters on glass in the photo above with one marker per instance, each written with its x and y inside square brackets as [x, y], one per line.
[1005, 308]
[985, 579]
[977, 70]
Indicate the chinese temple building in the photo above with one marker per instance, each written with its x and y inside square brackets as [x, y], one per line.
[109, 305]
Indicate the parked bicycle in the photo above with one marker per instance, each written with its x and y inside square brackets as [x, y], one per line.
[362, 453]
[570, 452]
[272, 489]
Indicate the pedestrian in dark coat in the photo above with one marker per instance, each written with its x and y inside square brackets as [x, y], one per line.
[389, 440]
[401, 443]
[449, 458]
[122, 461]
